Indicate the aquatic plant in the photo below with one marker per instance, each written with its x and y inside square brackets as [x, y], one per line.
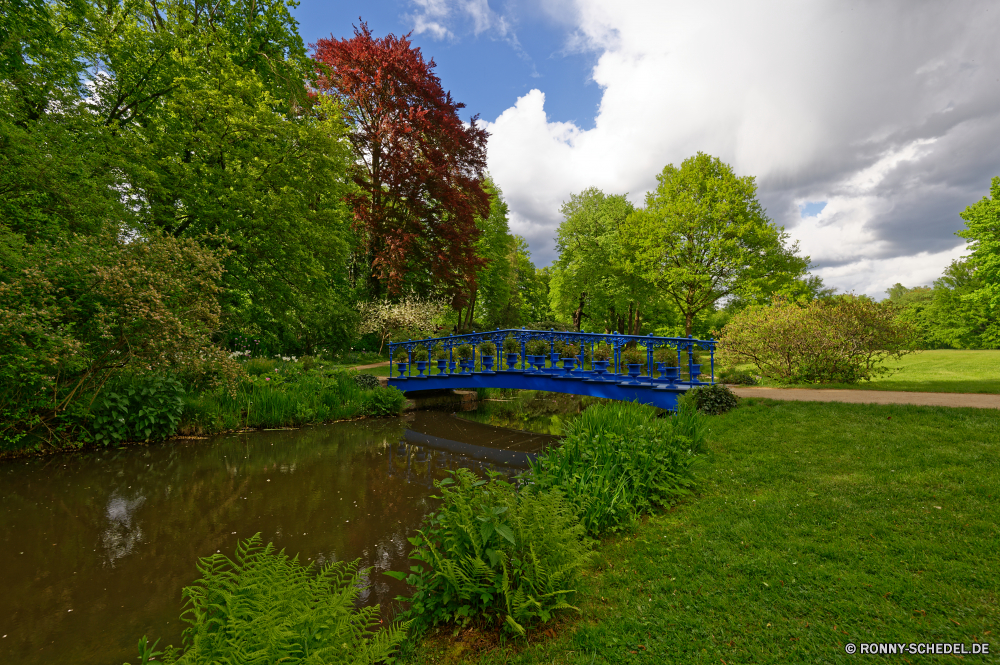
[263, 607]
[495, 556]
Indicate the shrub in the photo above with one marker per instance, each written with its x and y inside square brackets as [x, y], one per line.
[602, 352]
[402, 356]
[666, 355]
[571, 350]
[411, 313]
[618, 461]
[366, 381]
[386, 401]
[493, 555]
[464, 351]
[840, 340]
[537, 347]
[420, 354]
[93, 306]
[263, 607]
[511, 345]
[715, 399]
[440, 353]
[633, 357]
[739, 377]
[136, 408]
[488, 349]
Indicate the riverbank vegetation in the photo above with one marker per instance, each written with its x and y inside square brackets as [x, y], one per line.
[496, 556]
[262, 606]
[813, 525]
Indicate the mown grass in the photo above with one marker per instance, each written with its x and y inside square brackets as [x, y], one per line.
[944, 371]
[816, 525]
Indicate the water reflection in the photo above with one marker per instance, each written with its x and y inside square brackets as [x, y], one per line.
[123, 532]
[95, 548]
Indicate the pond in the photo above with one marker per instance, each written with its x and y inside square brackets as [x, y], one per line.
[97, 546]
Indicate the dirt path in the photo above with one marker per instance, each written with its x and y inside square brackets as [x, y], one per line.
[381, 364]
[975, 401]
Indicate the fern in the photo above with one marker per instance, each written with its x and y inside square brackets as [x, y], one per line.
[261, 607]
[494, 555]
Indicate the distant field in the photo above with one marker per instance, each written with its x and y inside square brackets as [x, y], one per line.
[943, 371]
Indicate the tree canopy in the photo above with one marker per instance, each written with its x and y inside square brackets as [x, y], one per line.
[982, 221]
[419, 168]
[703, 237]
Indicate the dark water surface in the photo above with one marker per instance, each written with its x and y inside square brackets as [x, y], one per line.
[96, 547]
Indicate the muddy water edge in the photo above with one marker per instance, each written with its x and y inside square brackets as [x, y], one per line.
[97, 546]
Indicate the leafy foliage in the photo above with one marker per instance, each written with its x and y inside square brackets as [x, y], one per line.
[703, 236]
[841, 340]
[982, 231]
[593, 277]
[262, 607]
[366, 381]
[144, 408]
[94, 307]
[739, 377]
[419, 172]
[387, 318]
[493, 555]
[619, 461]
[287, 397]
[715, 399]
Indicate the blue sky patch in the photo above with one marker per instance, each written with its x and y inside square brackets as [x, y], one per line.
[811, 208]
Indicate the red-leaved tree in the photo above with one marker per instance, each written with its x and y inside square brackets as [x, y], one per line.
[419, 169]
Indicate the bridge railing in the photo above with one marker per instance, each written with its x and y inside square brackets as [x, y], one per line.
[443, 354]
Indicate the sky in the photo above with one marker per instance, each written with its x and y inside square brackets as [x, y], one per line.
[869, 126]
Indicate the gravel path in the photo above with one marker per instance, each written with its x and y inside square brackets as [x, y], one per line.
[975, 401]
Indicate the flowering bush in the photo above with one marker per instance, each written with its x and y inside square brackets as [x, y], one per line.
[89, 308]
[411, 313]
[842, 340]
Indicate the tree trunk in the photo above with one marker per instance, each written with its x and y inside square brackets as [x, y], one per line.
[637, 323]
[578, 314]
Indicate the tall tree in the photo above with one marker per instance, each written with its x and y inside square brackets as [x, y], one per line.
[982, 221]
[491, 281]
[187, 118]
[703, 237]
[594, 277]
[419, 168]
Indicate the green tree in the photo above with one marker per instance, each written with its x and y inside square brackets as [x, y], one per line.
[703, 237]
[595, 276]
[490, 282]
[982, 221]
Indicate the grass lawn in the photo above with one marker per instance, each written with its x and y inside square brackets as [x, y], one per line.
[943, 371]
[816, 525]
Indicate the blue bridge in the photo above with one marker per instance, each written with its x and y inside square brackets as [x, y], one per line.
[650, 370]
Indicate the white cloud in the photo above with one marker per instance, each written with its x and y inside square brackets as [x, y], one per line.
[887, 111]
[433, 17]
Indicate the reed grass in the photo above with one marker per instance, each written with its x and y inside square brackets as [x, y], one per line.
[286, 400]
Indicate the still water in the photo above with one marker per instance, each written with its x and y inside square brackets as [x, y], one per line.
[96, 547]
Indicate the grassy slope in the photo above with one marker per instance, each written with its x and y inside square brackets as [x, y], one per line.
[945, 371]
[817, 525]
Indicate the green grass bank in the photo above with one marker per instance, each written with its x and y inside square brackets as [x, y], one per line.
[943, 371]
[815, 525]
